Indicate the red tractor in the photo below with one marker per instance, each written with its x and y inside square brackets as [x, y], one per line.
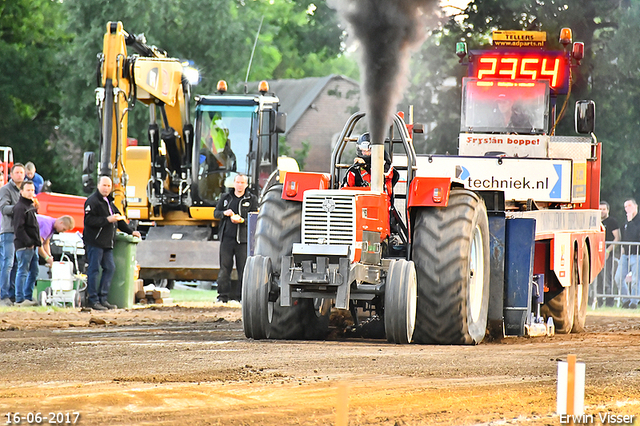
[505, 237]
[423, 270]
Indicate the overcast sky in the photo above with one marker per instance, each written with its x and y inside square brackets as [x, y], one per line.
[455, 3]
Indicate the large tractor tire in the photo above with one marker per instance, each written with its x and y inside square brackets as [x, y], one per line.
[278, 227]
[400, 300]
[560, 304]
[255, 297]
[451, 254]
[582, 294]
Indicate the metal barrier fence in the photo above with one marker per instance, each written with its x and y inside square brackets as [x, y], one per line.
[617, 284]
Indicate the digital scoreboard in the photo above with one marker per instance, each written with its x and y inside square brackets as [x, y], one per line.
[503, 64]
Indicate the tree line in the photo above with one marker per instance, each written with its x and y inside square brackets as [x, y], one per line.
[48, 68]
[607, 75]
[49, 47]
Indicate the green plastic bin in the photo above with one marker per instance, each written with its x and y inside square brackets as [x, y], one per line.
[41, 285]
[122, 290]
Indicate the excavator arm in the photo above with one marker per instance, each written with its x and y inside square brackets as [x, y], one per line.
[172, 186]
[152, 78]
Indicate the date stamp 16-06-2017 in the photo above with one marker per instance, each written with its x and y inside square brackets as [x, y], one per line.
[37, 418]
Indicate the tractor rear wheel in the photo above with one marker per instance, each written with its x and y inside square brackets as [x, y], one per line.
[560, 304]
[582, 294]
[278, 227]
[451, 254]
[400, 300]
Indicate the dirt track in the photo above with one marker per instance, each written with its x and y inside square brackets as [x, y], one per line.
[193, 365]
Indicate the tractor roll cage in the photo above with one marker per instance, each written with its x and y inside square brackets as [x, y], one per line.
[345, 137]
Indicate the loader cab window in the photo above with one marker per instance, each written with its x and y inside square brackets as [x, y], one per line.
[504, 107]
[223, 138]
[265, 149]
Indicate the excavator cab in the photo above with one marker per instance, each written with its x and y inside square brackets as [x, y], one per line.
[233, 134]
[222, 150]
[171, 187]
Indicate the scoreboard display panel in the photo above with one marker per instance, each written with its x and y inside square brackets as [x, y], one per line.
[552, 66]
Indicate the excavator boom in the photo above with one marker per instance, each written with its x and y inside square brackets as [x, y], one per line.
[171, 187]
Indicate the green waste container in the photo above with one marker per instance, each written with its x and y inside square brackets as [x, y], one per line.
[41, 285]
[121, 292]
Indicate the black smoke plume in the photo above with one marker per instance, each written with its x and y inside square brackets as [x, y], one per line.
[388, 31]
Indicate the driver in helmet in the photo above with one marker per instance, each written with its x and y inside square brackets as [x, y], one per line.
[359, 174]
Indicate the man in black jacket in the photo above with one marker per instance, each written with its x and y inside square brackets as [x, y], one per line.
[627, 272]
[101, 220]
[233, 211]
[26, 240]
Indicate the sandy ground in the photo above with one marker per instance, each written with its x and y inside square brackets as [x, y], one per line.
[191, 364]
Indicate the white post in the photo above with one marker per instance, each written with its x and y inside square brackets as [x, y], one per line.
[570, 390]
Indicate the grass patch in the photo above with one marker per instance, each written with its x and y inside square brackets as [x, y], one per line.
[35, 308]
[613, 311]
[179, 295]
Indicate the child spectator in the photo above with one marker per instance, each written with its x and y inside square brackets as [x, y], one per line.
[30, 171]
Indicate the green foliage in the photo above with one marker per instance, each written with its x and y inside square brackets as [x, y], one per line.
[48, 72]
[608, 75]
[295, 40]
[180, 295]
[614, 86]
[306, 34]
[300, 155]
[30, 39]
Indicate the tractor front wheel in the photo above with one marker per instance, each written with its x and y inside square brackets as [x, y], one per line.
[278, 227]
[255, 297]
[400, 301]
[451, 254]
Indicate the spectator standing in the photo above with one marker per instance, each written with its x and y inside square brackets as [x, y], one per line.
[627, 272]
[101, 220]
[48, 226]
[9, 197]
[38, 181]
[233, 211]
[1, 185]
[27, 239]
[612, 235]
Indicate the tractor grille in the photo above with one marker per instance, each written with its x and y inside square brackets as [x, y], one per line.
[329, 218]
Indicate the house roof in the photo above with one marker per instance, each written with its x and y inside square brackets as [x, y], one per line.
[297, 95]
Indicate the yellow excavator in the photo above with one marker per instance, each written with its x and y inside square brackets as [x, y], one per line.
[170, 187]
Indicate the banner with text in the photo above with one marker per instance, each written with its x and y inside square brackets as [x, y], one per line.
[510, 145]
[542, 180]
